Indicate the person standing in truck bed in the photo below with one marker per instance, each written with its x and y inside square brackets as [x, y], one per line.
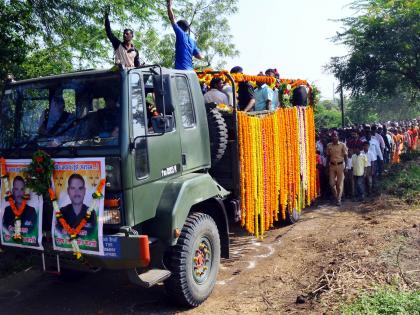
[185, 46]
[125, 53]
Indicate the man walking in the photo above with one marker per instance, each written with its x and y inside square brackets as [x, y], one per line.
[185, 46]
[125, 54]
[359, 163]
[337, 157]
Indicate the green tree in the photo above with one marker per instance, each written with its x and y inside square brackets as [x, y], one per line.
[327, 115]
[53, 36]
[384, 45]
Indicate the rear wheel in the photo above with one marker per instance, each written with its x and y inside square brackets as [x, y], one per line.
[194, 261]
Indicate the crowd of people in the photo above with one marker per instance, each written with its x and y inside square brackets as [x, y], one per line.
[351, 160]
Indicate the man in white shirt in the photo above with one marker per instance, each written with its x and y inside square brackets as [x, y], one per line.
[215, 94]
[371, 160]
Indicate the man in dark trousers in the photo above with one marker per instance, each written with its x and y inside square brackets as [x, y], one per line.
[125, 53]
[185, 46]
[74, 212]
[28, 218]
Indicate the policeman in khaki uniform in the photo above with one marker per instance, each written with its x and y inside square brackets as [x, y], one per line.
[337, 158]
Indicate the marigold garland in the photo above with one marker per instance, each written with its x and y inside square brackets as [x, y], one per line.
[277, 165]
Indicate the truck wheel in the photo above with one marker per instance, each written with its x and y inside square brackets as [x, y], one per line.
[292, 216]
[194, 261]
[218, 135]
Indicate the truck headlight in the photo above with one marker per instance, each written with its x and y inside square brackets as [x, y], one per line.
[112, 208]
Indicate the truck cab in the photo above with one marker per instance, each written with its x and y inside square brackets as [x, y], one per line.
[164, 214]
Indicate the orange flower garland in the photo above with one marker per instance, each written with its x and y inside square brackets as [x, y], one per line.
[272, 148]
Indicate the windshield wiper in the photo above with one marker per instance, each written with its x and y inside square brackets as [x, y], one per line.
[95, 139]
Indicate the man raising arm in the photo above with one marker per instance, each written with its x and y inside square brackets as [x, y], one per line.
[185, 46]
[124, 52]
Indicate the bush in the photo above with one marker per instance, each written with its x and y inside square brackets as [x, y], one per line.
[403, 180]
[385, 301]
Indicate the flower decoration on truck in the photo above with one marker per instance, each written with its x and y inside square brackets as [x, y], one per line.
[277, 165]
[39, 173]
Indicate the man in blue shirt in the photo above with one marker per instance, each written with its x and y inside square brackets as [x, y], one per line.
[185, 46]
[263, 96]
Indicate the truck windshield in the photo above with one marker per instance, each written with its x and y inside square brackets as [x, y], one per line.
[82, 111]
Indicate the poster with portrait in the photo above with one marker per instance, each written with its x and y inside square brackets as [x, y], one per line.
[21, 213]
[75, 181]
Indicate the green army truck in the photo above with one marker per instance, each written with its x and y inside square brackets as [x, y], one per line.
[160, 142]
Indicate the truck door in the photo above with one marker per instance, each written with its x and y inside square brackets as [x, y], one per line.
[189, 104]
[156, 157]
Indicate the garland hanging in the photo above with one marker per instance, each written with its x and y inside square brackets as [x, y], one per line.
[277, 165]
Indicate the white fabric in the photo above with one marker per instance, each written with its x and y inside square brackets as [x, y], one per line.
[215, 96]
[370, 157]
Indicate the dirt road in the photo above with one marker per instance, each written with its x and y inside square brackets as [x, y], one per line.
[325, 259]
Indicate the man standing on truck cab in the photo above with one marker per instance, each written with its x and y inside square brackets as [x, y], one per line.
[246, 94]
[337, 159]
[125, 53]
[74, 212]
[185, 46]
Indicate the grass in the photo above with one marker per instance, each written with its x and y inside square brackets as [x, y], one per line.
[385, 301]
[403, 180]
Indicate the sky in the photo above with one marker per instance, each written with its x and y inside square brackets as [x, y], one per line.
[292, 36]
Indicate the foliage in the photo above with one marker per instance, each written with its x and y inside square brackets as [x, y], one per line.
[209, 25]
[403, 180]
[384, 48]
[371, 107]
[48, 37]
[385, 301]
[327, 115]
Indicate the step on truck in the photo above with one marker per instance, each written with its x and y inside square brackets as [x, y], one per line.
[172, 172]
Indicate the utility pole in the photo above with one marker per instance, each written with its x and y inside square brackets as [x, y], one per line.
[341, 102]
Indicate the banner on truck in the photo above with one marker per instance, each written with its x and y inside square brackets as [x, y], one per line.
[75, 181]
[21, 212]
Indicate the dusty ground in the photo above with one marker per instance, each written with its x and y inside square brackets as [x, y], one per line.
[325, 259]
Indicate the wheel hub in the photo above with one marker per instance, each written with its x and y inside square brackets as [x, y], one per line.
[202, 261]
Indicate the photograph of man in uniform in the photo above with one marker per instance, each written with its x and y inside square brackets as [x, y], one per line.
[29, 217]
[75, 211]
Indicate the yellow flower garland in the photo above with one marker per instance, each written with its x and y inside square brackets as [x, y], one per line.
[272, 148]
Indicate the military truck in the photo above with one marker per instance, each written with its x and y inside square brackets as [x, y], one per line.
[172, 173]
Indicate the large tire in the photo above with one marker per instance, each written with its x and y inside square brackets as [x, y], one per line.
[218, 135]
[194, 261]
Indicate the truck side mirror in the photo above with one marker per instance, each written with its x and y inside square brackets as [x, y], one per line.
[163, 99]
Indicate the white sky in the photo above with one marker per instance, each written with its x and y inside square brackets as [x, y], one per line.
[292, 36]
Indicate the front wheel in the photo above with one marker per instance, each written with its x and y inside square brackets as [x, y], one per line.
[194, 261]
